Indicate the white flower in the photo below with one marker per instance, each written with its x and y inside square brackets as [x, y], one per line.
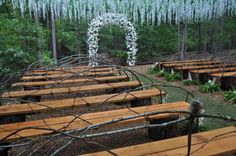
[117, 19]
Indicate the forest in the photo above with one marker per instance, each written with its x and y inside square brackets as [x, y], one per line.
[117, 77]
[27, 38]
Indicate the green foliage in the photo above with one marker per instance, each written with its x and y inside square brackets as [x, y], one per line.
[120, 54]
[172, 76]
[13, 60]
[232, 53]
[230, 96]
[190, 82]
[153, 70]
[209, 87]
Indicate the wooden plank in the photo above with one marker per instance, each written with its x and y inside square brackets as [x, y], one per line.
[69, 90]
[178, 146]
[184, 61]
[51, 72]
[214, 70]
[69, 75]
[80, 80]
[71, 122]
[191, 64]
[224, 74]
[204, 66]
[16, 109]
[68, 67]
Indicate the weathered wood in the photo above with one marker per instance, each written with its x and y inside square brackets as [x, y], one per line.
[65, 76]
[160, 64]
[224, 74]
[204, 66]
[203, 75]
[69, 90]
[178, 146]
[52, 72]
[192, 64]
[60, 123]
[213, 70]
[16, 109]
[69, 81]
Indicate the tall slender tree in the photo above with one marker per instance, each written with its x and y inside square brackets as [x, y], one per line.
[54, 44]
[38, 45]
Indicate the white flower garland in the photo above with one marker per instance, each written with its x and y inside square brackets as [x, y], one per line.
[115, 19]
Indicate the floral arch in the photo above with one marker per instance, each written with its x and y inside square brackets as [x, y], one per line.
[115, 19]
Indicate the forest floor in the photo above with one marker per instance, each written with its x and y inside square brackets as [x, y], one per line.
[213, 103]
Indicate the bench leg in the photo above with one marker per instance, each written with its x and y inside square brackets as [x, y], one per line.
[228, 83]
[12, 119]
[4, 152]
[31, 88]
[141, 102]
[158, 133]
[31, 99]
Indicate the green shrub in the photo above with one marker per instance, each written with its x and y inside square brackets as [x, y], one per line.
[153, 70]
[190, 82]
[209, 87]
[120, 54]
[230, 96]
[172, 76]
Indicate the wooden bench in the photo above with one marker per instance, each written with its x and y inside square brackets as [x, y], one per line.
[60, 123]
[185, 69]
[69, 75]
[224, 74]
[68, 90]
[221, 145]
[65, 68]
[69, 81]
[191, 64]
[204, 66]
[160, 64]
[52, 72]
[227, 80]
[203, 75]
[29, 108]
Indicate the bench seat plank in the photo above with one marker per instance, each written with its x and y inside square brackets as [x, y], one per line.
[68, 75]
[16, 109]
[204, 66]
[184, 61]
[71, 122]
[224, 74]
[178, 146]
[214, 70]
[69, 90]
[191, 64]
[52, 72]
[80, 80]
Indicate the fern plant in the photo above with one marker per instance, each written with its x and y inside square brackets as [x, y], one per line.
[153, 70]
[230, 96]
[173, 76]
[209, 87]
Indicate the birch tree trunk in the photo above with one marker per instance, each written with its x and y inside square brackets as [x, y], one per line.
[54, 46]
[38, 46]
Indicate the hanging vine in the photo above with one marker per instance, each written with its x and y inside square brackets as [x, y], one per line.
[152, 11]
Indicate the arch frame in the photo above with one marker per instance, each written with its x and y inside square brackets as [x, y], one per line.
[114, 19]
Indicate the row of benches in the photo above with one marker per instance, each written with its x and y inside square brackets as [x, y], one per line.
[140, 103]
[203, 70]
[13, 116]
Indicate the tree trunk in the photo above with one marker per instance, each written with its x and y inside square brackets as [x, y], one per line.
[54, 46]
[199, 37]
[38, 50]
[179, 38]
